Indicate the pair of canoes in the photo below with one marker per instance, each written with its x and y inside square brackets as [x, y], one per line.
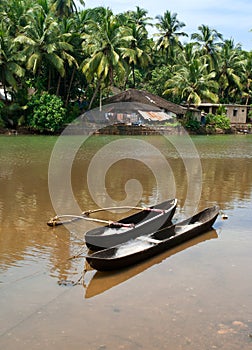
[143, 235]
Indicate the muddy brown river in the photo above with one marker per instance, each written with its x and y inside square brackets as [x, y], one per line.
[196, 296]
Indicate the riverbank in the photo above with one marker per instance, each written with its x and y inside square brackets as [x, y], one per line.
[123, 129]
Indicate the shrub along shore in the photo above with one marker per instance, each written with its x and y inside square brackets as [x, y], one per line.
[58, 60]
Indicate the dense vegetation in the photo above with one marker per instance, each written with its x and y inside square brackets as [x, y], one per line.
[53, 56]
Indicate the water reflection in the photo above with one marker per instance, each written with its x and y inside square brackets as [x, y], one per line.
[102, 281]
[208, 284]
[25, 204]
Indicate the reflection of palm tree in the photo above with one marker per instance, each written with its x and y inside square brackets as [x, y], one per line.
[60, 259]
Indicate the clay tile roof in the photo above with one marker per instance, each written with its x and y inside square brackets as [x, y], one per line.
[145, 97]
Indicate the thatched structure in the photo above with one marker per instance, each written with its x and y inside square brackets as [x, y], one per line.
[145, 97]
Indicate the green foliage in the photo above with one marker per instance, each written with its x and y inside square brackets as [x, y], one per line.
[190, 122]
[158, 79]
[210, 118]
[1, 107]
[250, 113]
[73, 111]
[10, 114]
[2, 124]
[221, 110]
[220, 121]
[46, 113]
[49, 45]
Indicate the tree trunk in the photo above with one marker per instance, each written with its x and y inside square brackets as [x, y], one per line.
[49, 80]
[133, 75]
[247, 98]
[70, 86]
[95, 93]
[58, 86]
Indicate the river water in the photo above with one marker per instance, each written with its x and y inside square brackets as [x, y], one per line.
[195, 296]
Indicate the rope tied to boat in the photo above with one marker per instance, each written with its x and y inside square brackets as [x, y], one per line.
[55, 221]
[85, 216]
[88, 212]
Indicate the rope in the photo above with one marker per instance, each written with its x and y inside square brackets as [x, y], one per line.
[84, 216]
[54, 221]
[88, 212]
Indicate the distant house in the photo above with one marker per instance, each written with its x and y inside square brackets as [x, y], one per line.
[132, 112]
[140, 106]
[238, 114]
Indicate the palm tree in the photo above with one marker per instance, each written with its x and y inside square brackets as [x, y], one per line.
[103, 42]
[14, 13]
[169, 32]
[69, 39]
[209, 42]
[139, 17]
[10, 64]
[65, 7]
[246, 78]
[231, 65]
[137, 54]
[192, 81]
[43, 45]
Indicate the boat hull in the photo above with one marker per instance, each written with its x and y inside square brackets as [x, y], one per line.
[145, 222]
[121, 256]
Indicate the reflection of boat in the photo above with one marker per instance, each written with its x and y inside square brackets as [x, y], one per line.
[142, 223]
[102, 281]
[144, 247]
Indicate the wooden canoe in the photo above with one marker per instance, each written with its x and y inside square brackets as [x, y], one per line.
[144, 222]
[97, 282]
[144, 247]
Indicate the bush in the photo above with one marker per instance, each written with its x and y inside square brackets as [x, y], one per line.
[190, 122]
[222, 122]
[219, 121]
[46, 113]
[2, 123]
[210, 119]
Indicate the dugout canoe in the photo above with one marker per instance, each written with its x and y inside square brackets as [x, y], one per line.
[144, 247]
[97, 282]
[144, 222]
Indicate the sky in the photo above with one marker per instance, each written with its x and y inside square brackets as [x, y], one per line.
[232, 18]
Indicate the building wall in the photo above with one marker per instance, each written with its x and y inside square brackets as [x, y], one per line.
[237, 114]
